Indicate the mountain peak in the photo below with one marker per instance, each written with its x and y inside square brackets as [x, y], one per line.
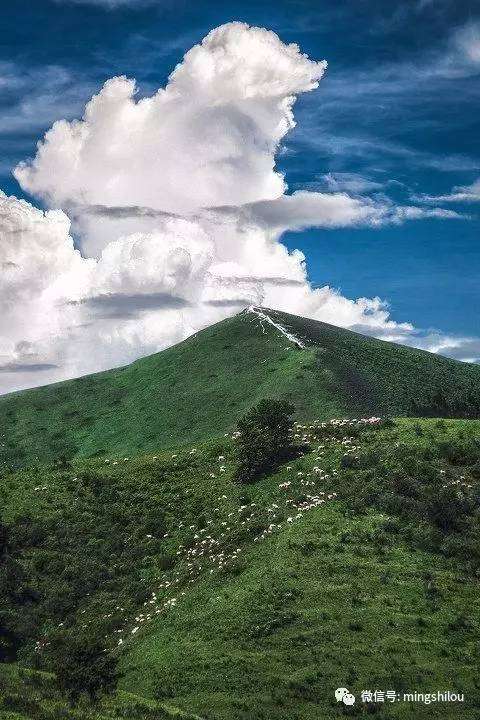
[265, 316]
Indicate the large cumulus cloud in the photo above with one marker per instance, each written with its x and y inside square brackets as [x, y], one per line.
[178, 211]
[208, 138]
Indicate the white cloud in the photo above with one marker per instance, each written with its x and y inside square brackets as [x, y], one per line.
[180, 212]
[466, 348]
[467, 40]
[311, 209]
[38, 261]
[345, 182]
[461, 194]
[461, 58]
[208, 138]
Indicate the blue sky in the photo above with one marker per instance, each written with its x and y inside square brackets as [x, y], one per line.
[396, 115]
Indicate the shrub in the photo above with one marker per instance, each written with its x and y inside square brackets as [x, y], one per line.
[460, 451]
[459, 622]
[447, 510]
[355, 626]
[418, 429]
[348, 461]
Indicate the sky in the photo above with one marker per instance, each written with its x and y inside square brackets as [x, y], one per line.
[164, 164]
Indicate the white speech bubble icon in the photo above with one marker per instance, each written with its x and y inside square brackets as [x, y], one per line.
[348, 698]
[340, 693]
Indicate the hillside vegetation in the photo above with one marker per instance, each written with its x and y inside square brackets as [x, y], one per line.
[355, 564]
[196, 390]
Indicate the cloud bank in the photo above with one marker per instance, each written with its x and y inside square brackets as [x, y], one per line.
[178, 212]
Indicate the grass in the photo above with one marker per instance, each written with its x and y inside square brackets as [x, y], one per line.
[197, 390]
[258, 617]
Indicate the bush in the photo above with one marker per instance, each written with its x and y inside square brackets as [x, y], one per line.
[460, 622]
[447, 510]
[418, 429]
[265, 438]
[460, 451]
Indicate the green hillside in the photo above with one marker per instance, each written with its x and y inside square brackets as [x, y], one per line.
[197, 390]
[354, 565]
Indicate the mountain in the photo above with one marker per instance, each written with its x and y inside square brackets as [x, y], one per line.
[197, 389]
[354, 564]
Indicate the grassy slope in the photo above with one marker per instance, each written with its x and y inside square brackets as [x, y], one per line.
[307, 616]
[198, 389]
[373, 376]
[330, 599]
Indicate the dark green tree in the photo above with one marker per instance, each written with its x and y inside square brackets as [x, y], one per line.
[265, 438]
[82, 667]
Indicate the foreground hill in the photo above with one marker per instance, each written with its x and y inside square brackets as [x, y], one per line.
[355, 565]
[198, 389]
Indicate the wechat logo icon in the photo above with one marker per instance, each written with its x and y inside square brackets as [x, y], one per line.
[345, 696]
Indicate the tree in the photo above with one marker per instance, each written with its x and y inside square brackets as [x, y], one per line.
[265, 438]
[83, 667]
